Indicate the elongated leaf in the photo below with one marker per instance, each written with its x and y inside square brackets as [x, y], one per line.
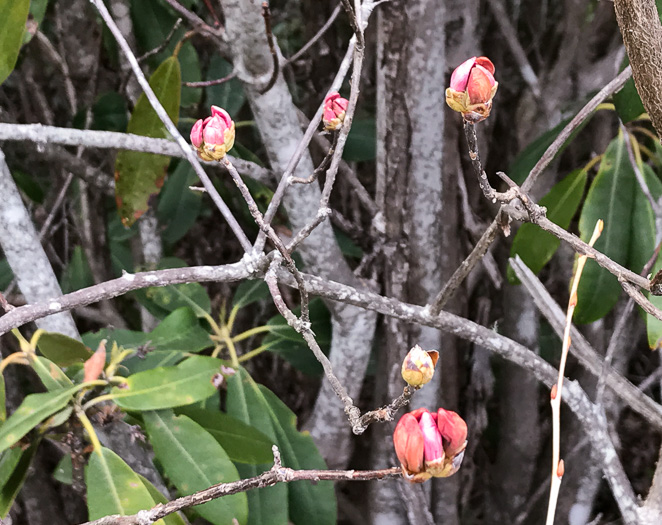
[193, 460]
[77, 274]
[267, 506]
[138, 176]
[170, 519]
[50, 374]
[166, 387]
[535, 246]
[179, 206]
[11, 485]
[63, 350]
[628, 103]
[228, 95]
[611, 198]
[249, 292]
[14, 14]
[34, 409]
[113, 488]
[241, 442]
[654, 325]
[3, 405]
[63, 471]
[308, 503]
[362, 141]
[642, 239]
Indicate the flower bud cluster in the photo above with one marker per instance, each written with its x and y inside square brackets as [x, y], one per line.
[213, 137]
[430, 444]
[335, 107]
[472, 89]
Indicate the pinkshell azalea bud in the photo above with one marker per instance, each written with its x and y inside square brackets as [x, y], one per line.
[418, 366]
[213, 137]
[472, 89]
[424, 450]
[334, 111]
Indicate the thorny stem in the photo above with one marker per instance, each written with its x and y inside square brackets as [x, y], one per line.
[172, 129]
[273, 236]
[557, 389]
[277, 474]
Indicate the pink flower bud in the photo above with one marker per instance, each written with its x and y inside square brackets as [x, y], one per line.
[418, 366]
[334, 111]
[453, 430]
[472, 89]
[213, 137]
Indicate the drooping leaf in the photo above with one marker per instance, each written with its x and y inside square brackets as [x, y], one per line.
[193, 460]
[179, 206]
[14, 14]
[362, 141]
[32, 411]
[267, 506]
[138, 176]
[113, 487]
[166, 387]
[241, 442]
[63, 350]
[12, 480]
[535, 246]
[611, 197]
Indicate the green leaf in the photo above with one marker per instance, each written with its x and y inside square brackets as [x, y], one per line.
[6, 275]
[628, 103]
[28, 185]
[50, 374]
[3, 402]
[535, 246]
[166, 387]
[170, 519]
[188, 57]
[308, 503]
[266, 506]
[642, 240]
[33, 410]
[193, 460]
[138, 176]
[249, 292]
[19, 461]
[113, 488]
[14, 14]
[38, 10]
[63, 471]
[63, 350]
[229, 95]
[179, 206]
[241, 442]
[611, 197]
[110, 112]
[362, 141]
[77, 273]
[653, 324]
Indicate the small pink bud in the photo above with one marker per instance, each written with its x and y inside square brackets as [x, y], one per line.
[213, 137]
[472, 89]
[418, 366]
[334, 111]
[409, 444]
[453, 430]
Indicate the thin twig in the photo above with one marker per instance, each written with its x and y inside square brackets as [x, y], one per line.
[557, 389]
[323, 165]
[277, 474]
[172, 129]
[547, 157]
[266, 14]
[163, 44]
[353, 21]
[273, 236]
[217, 35]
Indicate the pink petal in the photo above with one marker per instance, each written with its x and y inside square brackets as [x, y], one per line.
[196, 133]
[460, 76]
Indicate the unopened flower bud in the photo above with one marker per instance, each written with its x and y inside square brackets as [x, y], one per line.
[472, 89]
[213, 137]
[335, 107]
[418, 366]
[96, 363]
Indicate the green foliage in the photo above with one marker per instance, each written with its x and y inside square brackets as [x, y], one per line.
[14, 466]
[255, 404]
[14, 14]
[179, 206]
[51, 375]
[170, 519]
[249, 292]
[628, 234]
[535, 246]
[77, 274]
[3, 406]
[109, 112]
[362, 141]
[32, 411]
[170, 386]
[194, 460]
[138, 176]
[113, 487]
[63, 350]
[228, 95]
